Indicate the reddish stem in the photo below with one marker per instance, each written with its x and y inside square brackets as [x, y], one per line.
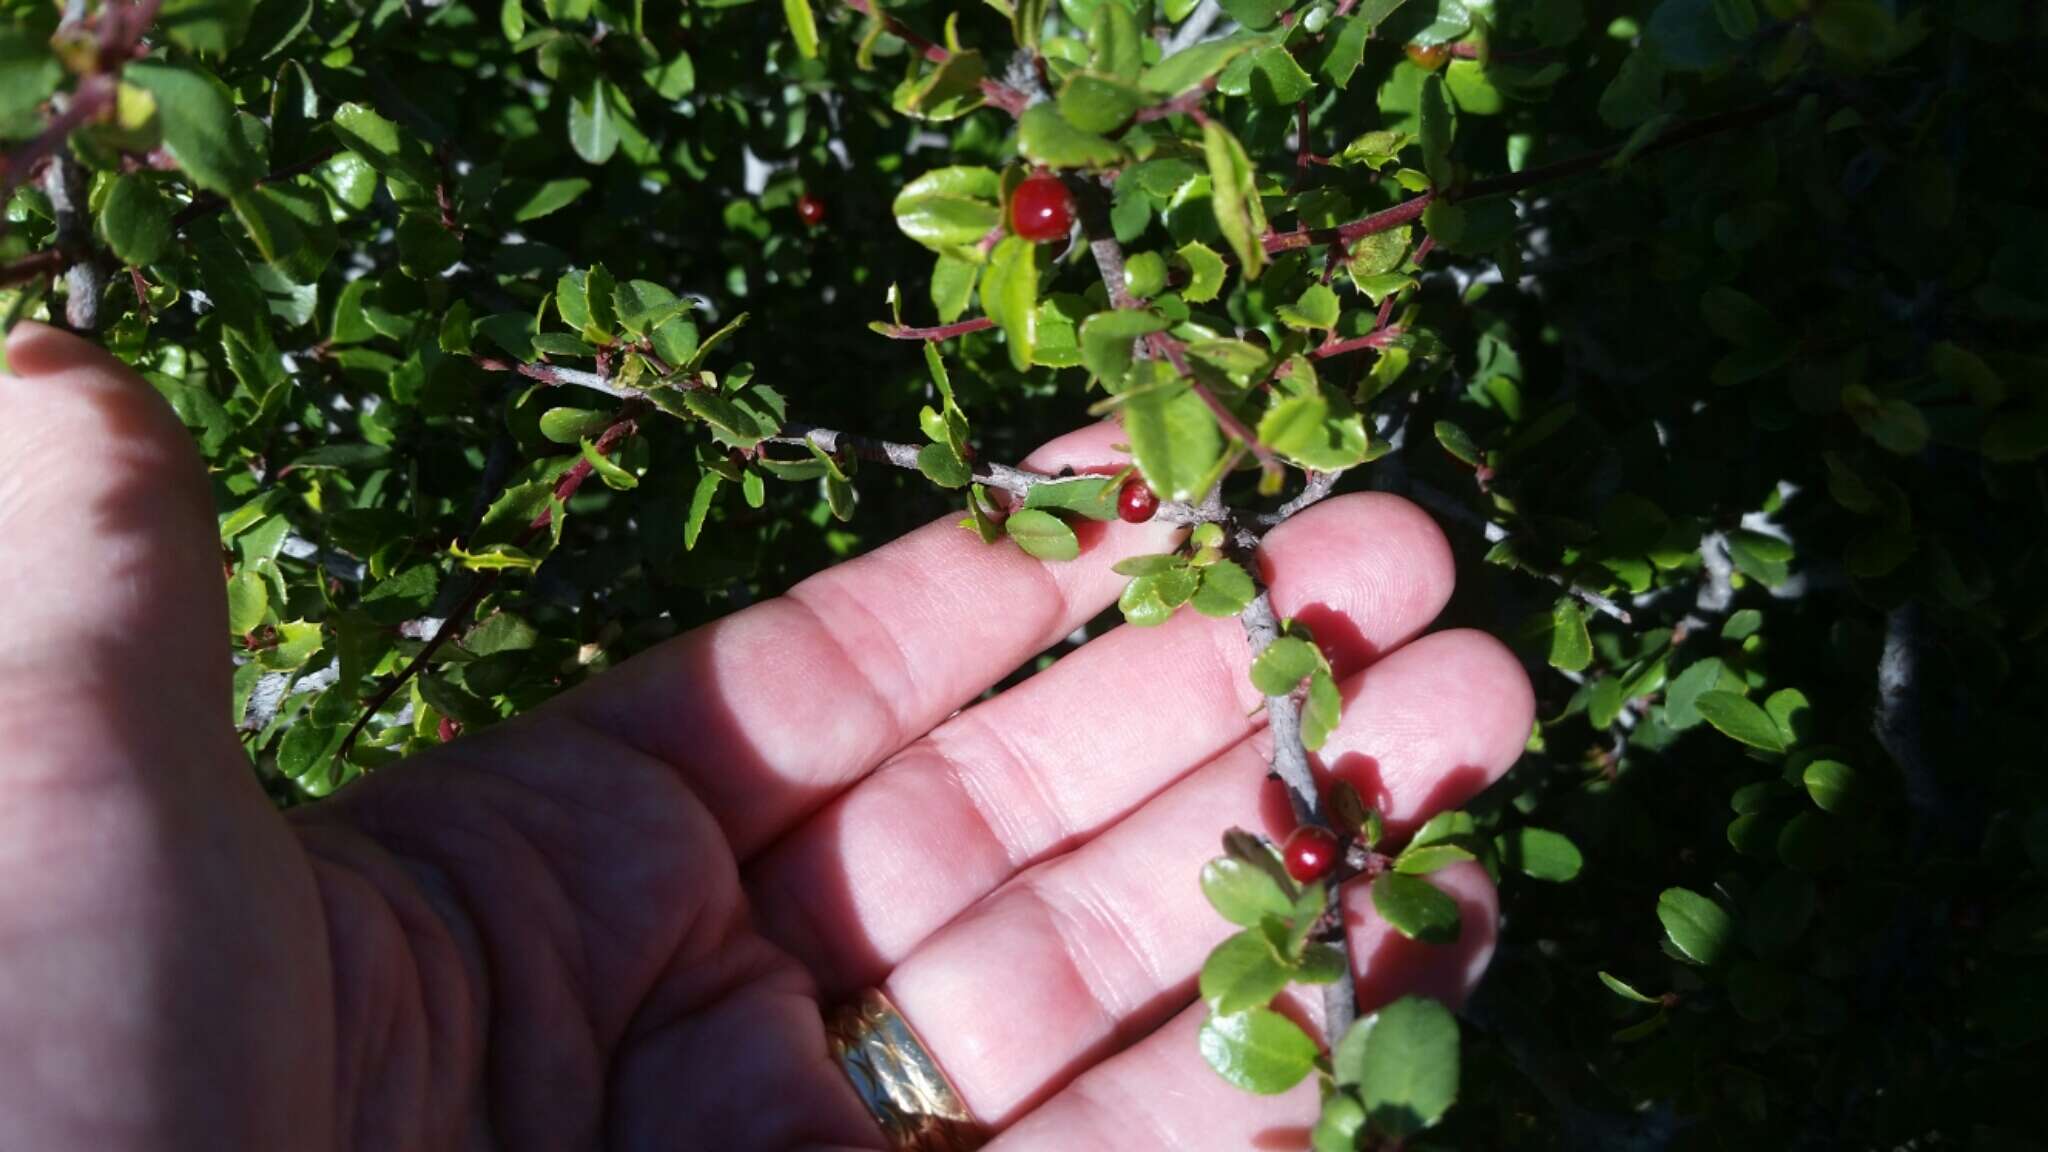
[1378, 338]
[942, 332]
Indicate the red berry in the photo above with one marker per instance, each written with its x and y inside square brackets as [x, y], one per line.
[1041, 209]
[810, 209]
[1428, 57]
[1310, 853]
[448, 729]
[1136, 502]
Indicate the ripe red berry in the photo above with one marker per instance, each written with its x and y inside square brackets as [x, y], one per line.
[810, 209]
[1136, 502]
[1428, 57]
[1310, 853]
[1041, 209]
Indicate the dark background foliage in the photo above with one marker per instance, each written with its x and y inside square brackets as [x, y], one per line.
[1739, 440]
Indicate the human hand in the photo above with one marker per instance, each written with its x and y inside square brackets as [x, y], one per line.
[611, 922]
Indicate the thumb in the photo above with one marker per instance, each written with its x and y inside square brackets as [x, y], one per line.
[111, 599]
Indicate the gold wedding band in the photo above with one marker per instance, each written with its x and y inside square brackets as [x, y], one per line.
[897, 1078]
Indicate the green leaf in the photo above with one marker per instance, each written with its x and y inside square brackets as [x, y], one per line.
[1283, 664]
[1539, 854]
[949, 208]
[1116, 43]
[1045, 137]
[594, 119]
[1242, 973]
[29, 73]
[1627, 992]
[1256, 13]
[384, 145]
[1832, 784]
[1190, 66]
[1274, 78]
[549, 198]
[1042, 534]
[1421, 861]
[1571, 646]
[205, 27]
[1107, 338]
[1244, 893]
[248, 601]
[1404, 1058]
[1458, 443]
[1699, 928]
[1316, 310]
[1259, 1051]
[1416, 908]
[1206, 271]
[1438, 127]
[136, 221]
[803, 26]
[947, 92]
[1009, 294]
[1444, 827]
[1321, 709]
[1094, 103]
[425, 248]
[199, 126]
[1226, 591]
[1741, 720]
[643, 306]
[608, 470]
[1091, 496]
[1175, 441]
[1234, 197]
[573, 425]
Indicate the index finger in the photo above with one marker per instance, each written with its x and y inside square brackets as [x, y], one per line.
[774, 710]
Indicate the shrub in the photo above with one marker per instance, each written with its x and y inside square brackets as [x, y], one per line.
[1711, 329]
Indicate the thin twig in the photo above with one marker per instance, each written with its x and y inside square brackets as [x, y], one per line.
[64, 182]
[555, 374]
[941, 332]
[1003, 477]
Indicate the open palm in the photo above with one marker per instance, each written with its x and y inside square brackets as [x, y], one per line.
[611, 922]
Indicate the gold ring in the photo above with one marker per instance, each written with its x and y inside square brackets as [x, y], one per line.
[897, 1079]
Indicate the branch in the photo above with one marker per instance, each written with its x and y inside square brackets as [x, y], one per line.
[1003, 477]
[1291, 764]
[607, 442]
[1411, 209]
[1896, 719]
[64, 182]
[31, 266]
[941, 332]
[555, 374]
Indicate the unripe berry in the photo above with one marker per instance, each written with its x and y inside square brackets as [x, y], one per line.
[1136, 502]
[1428, 57]
[1310, 853]
[1041, 209]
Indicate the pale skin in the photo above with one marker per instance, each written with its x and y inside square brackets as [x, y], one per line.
[611, 922]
